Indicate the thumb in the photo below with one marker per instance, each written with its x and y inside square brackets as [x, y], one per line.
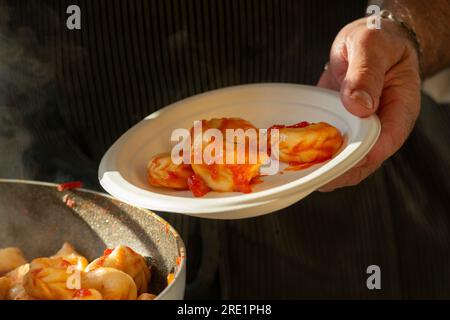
[364, 81]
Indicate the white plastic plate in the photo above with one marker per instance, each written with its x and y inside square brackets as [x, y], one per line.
[122, 171]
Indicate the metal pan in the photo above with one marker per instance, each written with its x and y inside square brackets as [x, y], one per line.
[37, 218]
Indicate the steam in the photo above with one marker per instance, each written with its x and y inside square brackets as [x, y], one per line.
[24, 71]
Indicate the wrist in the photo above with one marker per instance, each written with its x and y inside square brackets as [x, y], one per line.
[408, 33]
[406, 29]
[399, 28]
[429, 23]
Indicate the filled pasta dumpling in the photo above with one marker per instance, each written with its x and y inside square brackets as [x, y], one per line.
[68, 253]
[308, 143]
[162, 172]
[48, 278]
[110, 283]
[127, 260]
[16, 290]
[120, 274]
[147, 296]
[11, 258]
[235, 175]
[5, 285]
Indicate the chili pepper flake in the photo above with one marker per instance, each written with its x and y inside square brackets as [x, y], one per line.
[70, 185]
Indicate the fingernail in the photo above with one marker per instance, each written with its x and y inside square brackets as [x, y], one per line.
[363, 98]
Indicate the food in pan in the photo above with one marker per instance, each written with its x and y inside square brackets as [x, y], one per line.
[48, 279]
[5, 285]
[112, 283]
[126, 260]
[15, 289]
[120, 274]
[147, 296]
[68, 253]
[301, 146]
[10, 258]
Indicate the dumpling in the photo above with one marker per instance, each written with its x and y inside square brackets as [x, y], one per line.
[69, 254]
[147, 296]
[5, 285]
[224, 178]
[10, 258]
[66, 250]
[162, 172]
[310, 143]
[16, 275]
[111, 283]
[47, 279]
[18, 292]
[228, 177]
[125, 259]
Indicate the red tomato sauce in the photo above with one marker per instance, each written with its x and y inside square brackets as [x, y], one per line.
[198, 186]
[300, 125]
[82, 293]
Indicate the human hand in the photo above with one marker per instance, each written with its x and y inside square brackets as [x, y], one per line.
[376, 71]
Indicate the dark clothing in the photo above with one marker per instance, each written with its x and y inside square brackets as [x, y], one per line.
[85, 88]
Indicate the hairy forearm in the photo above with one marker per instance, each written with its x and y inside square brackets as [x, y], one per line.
[431, 21]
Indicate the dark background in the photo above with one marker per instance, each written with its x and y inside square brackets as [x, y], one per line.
[66, 96]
